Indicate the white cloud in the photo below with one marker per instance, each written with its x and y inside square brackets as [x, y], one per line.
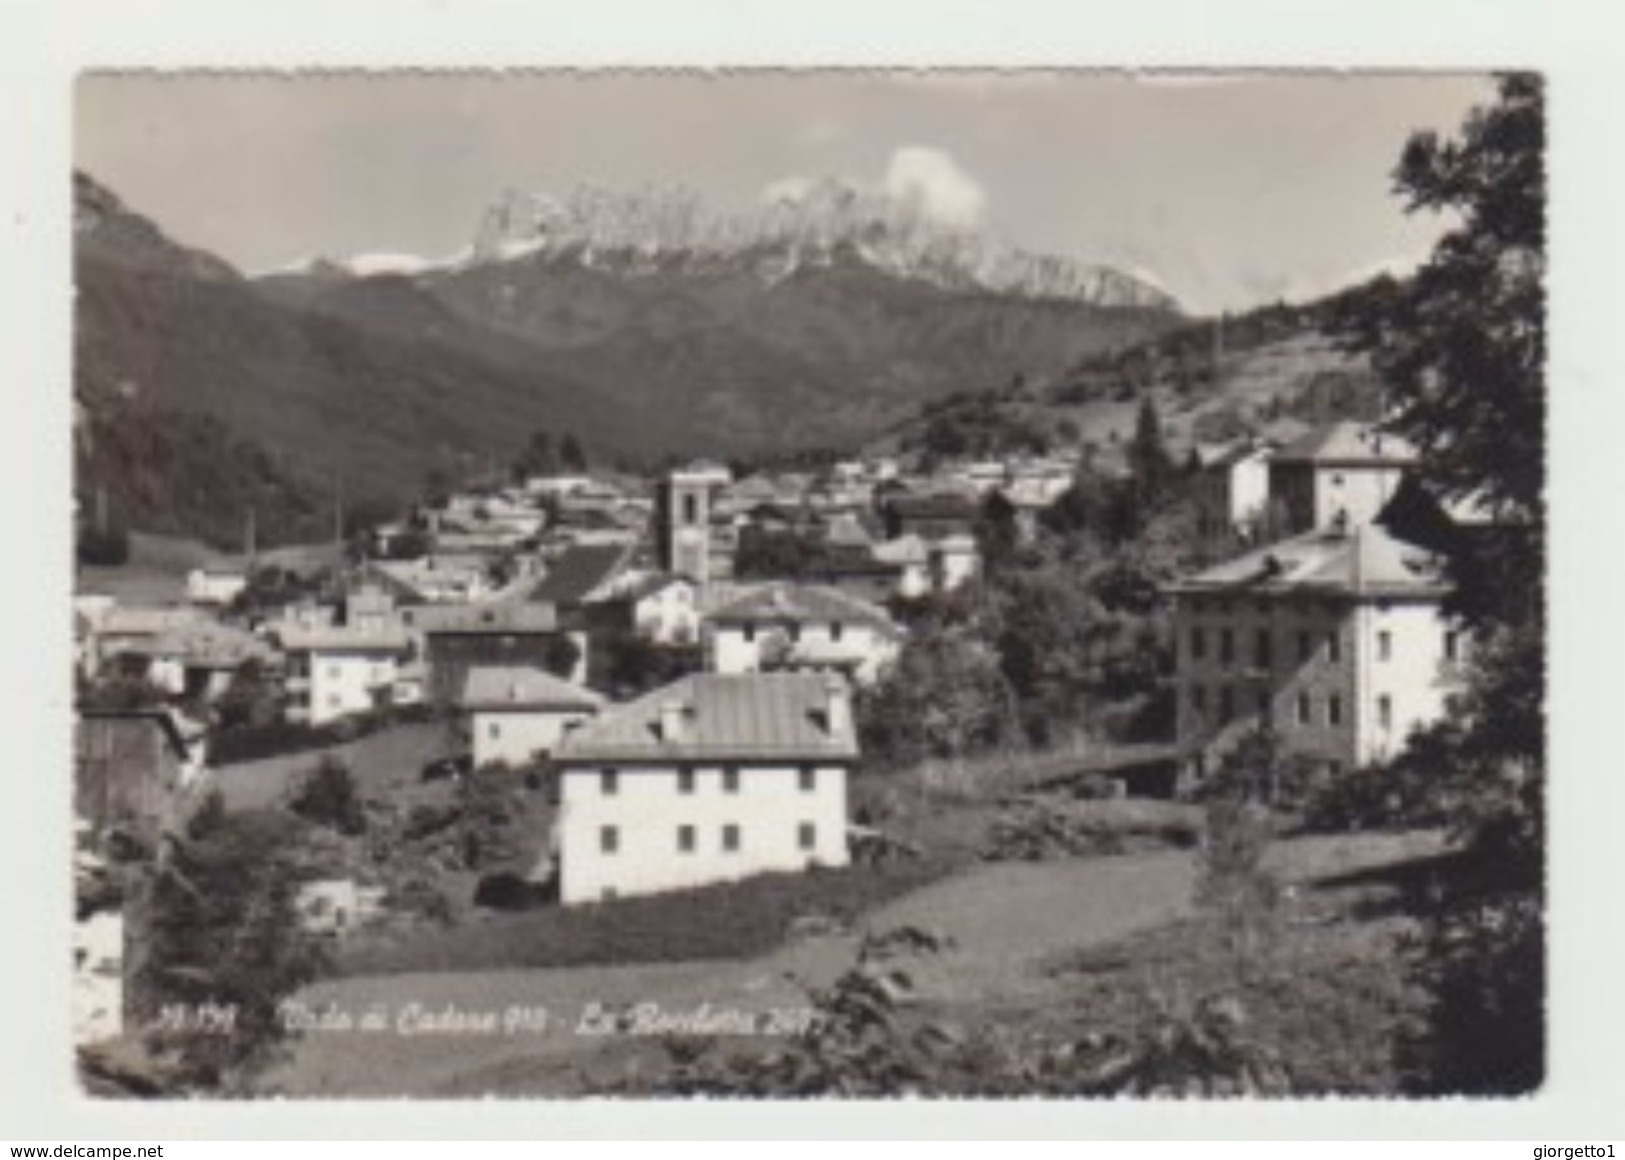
[932, 182]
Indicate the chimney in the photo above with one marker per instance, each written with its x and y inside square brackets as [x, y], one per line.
[838, 711]
[671, 721]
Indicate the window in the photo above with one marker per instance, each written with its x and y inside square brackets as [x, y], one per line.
[334, 672]
[1306, 647]
[493, 731]
[1227, 704]
[1385, 646]
[609, 839]
[1227, 646]
[685, 781]
[807, 836]
[1306, 708]
[1198, 642]
[1334, 647]
[1334, 710]
[1199, 699]
[750, 633]
[835, 630]
[730, 838]
[691, 508]
[1385, 711]
[1451, 647]
[685, 839]
[807, 779]
[1264, 704]
[730, 779]
[609, 781]
[1263, 654]
[795, 633]
[1334, 768]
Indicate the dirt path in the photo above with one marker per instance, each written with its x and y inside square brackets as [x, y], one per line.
[1007, 922]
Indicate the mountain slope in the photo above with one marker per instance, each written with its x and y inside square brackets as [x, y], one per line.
[1210, 381]
[812, 324]
[186, 373]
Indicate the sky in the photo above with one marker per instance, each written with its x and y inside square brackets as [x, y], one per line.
[1228, 190]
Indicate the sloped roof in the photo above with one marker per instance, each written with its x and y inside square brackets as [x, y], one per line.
[1347, 443]
[487, 616]
[935, 505]
[523, 687]
[724, 717]
[1366, 560]
[581, 569]
[331, 638]
[787, 603]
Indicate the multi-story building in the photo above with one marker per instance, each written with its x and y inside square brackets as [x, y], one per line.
[1231, 491]
[335, 672]
[801, 626]
[1344, 472]
[1335, 639]
[517, 714]
[713, 778]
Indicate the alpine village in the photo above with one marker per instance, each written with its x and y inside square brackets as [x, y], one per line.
[782, 661]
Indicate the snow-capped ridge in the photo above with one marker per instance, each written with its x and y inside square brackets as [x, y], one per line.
[801, 224]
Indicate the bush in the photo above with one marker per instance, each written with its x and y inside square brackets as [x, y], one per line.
[107, 548]
[327, 796]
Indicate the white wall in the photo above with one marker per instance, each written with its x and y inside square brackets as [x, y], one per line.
[1413, 677]
[515, 736]
[341, 683]
[731, 652]
[648, 808]
[1361, 491]
[669, 616]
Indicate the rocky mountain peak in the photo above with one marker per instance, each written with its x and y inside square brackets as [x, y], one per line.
[800, 224]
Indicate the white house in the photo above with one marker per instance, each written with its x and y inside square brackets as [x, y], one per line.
[1334, 638]
[782, 625]
[1231, 491]
[1342, 472]
[215, 585]
[517, 714]
[664, 608]
[334, 672]
[713, 778]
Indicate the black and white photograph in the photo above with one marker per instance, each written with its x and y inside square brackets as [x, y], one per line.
[808, 583]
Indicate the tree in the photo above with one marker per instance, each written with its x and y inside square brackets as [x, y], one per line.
[571, 455]
[1462, 347]
[1148, 456]
[327, 796]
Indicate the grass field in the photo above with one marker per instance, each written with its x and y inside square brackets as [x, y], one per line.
[1059, 946]
[384, 764]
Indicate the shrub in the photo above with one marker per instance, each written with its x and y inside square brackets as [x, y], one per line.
[327, 796]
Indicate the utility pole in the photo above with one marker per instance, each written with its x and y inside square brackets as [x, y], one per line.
[250, 544]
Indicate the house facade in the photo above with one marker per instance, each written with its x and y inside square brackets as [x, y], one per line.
[517, 714]
[714, 778]
[337, 672]
[1344, 471]
[786, 626]
[1231, 491]
[1336, 640]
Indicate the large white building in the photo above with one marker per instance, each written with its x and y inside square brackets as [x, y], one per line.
[782, 625]
[517, 714]
[1334, 638]
[713, 778]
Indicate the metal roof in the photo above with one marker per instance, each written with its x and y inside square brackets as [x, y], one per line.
[1364, 560]
[514, 687]
[721, 717]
